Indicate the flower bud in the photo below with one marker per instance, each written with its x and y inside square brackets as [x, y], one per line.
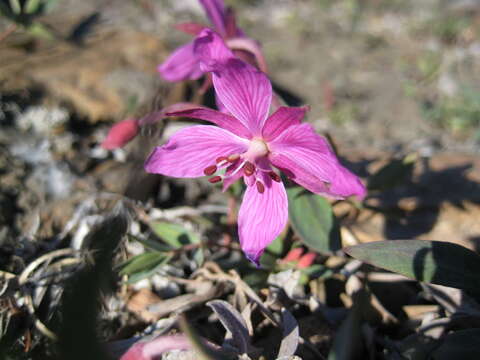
[120, 134]
[306, 260]
[293, 255]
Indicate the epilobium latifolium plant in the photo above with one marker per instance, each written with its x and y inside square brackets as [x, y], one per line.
[249, 143]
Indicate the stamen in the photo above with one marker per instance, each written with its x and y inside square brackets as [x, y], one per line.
[215, 179]
[274, 176]
[221, 159]
[210, 170]
[249, 168]
[237, 169]
[233, 158]
[260, 187]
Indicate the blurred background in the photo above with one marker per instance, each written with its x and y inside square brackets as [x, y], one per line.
[393, 84]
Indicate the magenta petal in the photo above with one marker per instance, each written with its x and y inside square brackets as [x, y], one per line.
[215, 10]
[182, 64]
[251, 46]
[220, 106]
[225, 121]
[211, 50]
[262, 217]
[308, 160]
[282, 119]
[231, 24]
[245, 91]
[189, 151]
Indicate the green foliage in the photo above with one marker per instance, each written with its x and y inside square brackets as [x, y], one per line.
[274, 251]
[428, 64]
[313, 220]
[24, 12]
[450, 28]
[435, 262]
[144, 265]
[459, 113]
[173, 234]
[343, 113]
[348, 339]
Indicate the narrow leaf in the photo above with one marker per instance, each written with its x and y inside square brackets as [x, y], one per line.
[143, 262]
[313, 220]
[203, 351]
[39, 30]
[291, 334]
[15, 6]
[347, 344]
[32, 6]
[173, 234]
[233, 321]
[435, 262]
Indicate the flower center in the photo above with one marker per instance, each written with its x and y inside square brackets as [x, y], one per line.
[256, 149]
[246, 162]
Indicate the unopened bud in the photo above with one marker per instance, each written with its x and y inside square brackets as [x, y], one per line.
[120, 134]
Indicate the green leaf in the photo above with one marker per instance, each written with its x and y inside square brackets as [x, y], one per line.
[32, 6]
[202, 351]
[274, 251]
[144, 265]
[15, 6]
[462, 344]
[435, 262]
[313, 220]
[173, 234]
[41, 31]
[152, 244]
[199, 257]
[276, 246]
[317, 271]
[347, 344]
[394, 173]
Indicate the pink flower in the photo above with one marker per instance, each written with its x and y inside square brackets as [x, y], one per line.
[184, 63]
[251, 144]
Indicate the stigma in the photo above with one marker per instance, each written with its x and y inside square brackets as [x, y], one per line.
[256, 149]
